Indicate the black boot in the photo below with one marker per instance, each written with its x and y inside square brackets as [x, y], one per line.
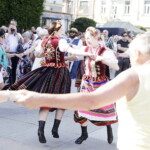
[109, 134]
[41, 132]
[83, 136]
[55, 128]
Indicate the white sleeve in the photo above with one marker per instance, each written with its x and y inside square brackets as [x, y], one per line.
[39, 50]
[109, 55]
[64, 47]
[110, 59]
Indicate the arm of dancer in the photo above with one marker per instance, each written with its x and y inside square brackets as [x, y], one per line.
[64, 47]
[27, 51]
[39, 52]
[105, 95]
[71, 58]
[30, 49]
[4, 96]
[109, 59]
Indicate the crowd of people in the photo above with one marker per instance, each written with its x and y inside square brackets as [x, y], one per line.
[49, 62]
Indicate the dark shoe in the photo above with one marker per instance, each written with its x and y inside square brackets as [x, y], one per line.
[55, 133]
[55, 128]
[41, 135]
[83, 137]
[109, 134]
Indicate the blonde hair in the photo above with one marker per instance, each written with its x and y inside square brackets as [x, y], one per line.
[93, 32]
[141, 43]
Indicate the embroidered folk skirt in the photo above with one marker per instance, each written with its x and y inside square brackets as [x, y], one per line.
[45, 80]
[100, 117]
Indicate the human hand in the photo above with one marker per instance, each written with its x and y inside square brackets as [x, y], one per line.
[26, 98]
[4, 73]
[4, 96]
[117, 55]
[99, 58]
[19, 55]
[92, 56]
[10, 67]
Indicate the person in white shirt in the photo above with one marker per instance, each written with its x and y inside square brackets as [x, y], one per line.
[13, 39]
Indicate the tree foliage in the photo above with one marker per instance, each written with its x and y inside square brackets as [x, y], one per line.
[26, 12]
[142, 28]
[82, 23]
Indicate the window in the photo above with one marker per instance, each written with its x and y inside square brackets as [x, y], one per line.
[70, 7]
[114, 10]
[47, 8]
[127, 7]
[83, 7]
[103, 7]
[147, 7]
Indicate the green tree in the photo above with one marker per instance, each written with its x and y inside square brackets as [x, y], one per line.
[142, 28]
[26, 12]
[82, 23]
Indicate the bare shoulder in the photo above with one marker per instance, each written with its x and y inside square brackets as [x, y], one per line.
[128, 77]
[130, 80]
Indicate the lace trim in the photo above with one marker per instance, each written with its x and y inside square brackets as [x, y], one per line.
[55, 65]
[95, 79]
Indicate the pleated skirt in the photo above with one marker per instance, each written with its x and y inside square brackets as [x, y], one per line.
[102, 116]
[45, 80]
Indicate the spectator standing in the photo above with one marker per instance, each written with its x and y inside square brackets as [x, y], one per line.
[108, 41]
[123, 45]
[75, 42]
[13, 39]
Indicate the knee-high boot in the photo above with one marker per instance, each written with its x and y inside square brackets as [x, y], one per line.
[55, 128]
[41, 132]
[109, 134]
[84, 135]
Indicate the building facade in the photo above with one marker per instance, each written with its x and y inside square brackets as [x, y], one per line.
[136, 12]
[55, 10]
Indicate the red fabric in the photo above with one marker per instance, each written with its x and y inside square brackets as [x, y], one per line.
[54, 57]
[99, 64]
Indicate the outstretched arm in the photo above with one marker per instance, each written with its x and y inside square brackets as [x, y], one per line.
[64, 47]
[4, 96]
[106, 94]
[109, 59]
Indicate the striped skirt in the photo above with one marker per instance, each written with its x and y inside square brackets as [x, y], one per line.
[102, 116]
[45, 80]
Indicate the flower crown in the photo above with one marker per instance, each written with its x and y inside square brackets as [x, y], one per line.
[92, 30]
[58, 25]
